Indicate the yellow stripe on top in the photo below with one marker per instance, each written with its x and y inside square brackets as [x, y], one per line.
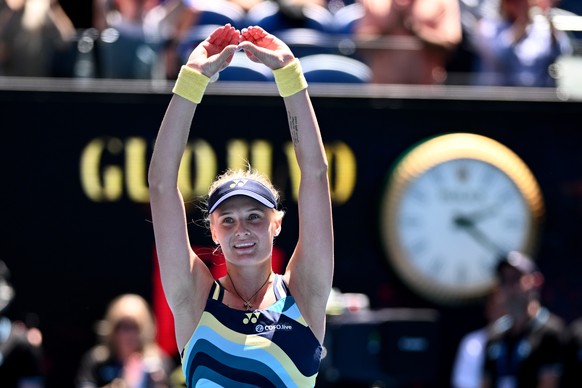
[233, 342]
[216, 292]
[274, 345]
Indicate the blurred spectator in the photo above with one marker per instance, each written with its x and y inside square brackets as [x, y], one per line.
[408, 41]
[136, 35]
[149, 33]
[20, 347]
[175, 20]
[474, 10]
[573, 361]
[292, 7]
[518, 47]
[528, 350]
[462, 63]
[33, 33]
[301, 3]
[247, 4]
[111, 13]
[127, 355]
[468, 365]
[293, 10]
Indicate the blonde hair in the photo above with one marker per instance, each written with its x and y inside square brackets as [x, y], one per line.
[128, 307]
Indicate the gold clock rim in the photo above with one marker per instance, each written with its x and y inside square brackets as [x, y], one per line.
[427, 155]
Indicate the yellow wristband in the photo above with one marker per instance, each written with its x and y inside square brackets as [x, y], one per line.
[290, 78]
[191, 84]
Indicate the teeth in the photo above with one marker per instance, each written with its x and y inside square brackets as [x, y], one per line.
[244, 245]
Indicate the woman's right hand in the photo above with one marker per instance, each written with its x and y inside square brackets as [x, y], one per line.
[215, 52]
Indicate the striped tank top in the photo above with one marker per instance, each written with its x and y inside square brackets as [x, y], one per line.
[273, 347]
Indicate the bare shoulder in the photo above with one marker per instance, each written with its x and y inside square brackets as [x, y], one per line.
[311, 302]
[189, 308]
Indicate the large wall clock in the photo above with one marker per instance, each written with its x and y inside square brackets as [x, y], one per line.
[452, 206]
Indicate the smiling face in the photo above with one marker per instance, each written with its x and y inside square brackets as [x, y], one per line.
[127, 338]
[245, 230]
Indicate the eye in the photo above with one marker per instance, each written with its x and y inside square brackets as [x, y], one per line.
[227, 220]
[254, 217]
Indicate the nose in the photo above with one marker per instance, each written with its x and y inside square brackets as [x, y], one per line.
[241, 231]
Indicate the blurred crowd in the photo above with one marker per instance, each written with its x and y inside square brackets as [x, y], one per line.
[484, 42]
[126, 354]
[523, 343]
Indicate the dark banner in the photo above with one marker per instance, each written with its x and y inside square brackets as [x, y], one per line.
[76, 227]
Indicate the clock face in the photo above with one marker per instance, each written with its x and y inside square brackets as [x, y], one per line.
[453, 215]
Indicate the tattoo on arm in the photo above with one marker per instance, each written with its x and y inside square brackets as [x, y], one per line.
[293, 128]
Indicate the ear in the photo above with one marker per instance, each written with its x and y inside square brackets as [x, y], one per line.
[277, 226]
[213, 234]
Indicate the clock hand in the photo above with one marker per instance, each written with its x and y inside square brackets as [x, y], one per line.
[481, 214]
[468, 224]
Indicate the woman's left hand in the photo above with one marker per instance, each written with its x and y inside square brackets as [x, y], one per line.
[215, 52]
[262, 47]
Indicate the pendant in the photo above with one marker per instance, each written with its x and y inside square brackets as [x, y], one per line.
[248, 305]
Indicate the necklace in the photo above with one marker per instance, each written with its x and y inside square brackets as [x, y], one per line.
[247, 302]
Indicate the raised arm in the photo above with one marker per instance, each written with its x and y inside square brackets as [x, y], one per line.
[310, 270]
[311, 266]
[185, 278]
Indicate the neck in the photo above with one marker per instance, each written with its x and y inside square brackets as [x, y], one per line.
[247, 280]
[248, 292]
[533, 308]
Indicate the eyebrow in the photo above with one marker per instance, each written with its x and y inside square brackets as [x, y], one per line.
[249, 210]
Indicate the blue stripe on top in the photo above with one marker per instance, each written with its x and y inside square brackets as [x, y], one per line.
[273, 347]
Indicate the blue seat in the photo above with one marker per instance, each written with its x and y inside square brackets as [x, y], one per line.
[213, 14]
[269, 16]
[66, 59]
[345, 19]
[333, 68]
[243, 69]
[317, 17]
[218, 12]
[128, 54]
[195, 36]
[306, 41]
